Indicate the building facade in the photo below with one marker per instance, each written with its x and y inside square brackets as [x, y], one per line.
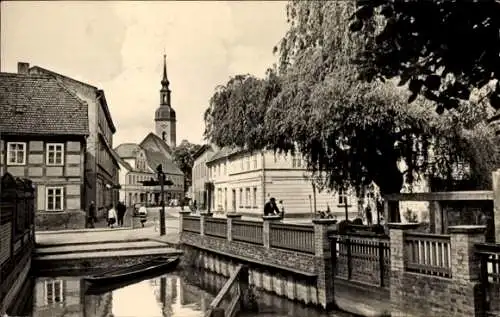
[243, 182]
[165, 120]
[200, 175]
[43, 138]
[101, 167]
[139, 164]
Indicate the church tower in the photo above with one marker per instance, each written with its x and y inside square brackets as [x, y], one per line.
[165, 116]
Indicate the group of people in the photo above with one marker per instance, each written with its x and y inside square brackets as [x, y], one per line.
[273, 209]
[115, 215]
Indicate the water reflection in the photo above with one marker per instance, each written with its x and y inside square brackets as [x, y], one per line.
[183, 293]
[166, 295]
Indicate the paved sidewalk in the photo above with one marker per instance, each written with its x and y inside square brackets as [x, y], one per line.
[108, 234]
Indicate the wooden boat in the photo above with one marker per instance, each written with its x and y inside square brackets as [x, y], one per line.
[121, 275]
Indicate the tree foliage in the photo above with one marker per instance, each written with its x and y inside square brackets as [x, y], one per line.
[443, 49]
[183, 157]
[351, 132]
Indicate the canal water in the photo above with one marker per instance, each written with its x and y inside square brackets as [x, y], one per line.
[177, 294]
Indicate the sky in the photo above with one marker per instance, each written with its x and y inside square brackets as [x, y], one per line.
[119, 47]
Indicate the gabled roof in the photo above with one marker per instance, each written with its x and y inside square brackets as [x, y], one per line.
[99, 92]
[156, 158]
[223, 153]
[127, 150]
[201, 150]
[158, 141]
[120, 160]
[40, 105]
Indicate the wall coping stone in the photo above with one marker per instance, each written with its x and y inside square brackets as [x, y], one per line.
[467, 229]
[403, 226]
[206, 214]
[324, 221]
[271, 218]
[184, 212]
[233, 215]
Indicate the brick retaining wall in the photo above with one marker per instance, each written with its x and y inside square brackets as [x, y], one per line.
[288, 259]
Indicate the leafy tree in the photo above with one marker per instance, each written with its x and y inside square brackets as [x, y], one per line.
[351, 132]
[444, 49]
[183, 157]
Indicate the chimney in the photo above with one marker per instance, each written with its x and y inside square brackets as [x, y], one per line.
[23, 68]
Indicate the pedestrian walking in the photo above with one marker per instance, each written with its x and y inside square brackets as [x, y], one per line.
[121, 210]
[111, 216]
[91, 217]
[270, 207]
[143, 214]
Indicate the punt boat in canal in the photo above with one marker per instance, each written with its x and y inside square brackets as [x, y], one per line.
[112, 277]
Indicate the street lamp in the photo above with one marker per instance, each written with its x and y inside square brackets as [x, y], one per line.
[162, 181]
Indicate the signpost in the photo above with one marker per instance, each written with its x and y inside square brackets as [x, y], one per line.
[162, 181]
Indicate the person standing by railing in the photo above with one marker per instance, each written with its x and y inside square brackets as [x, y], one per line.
[281, 208]
[270, 207]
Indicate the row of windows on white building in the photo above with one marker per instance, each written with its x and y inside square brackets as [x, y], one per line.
[245, 164]
[247, 197]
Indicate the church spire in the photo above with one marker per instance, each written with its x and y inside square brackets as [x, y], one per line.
[165, 90]
[164, 81]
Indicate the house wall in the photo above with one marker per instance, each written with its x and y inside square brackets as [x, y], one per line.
[98, 168]
[245, 181]
[200, 177]
[70, 177]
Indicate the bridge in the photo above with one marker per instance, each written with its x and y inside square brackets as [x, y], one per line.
[405, 271]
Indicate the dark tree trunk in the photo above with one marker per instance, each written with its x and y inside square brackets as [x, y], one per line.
[390, 181]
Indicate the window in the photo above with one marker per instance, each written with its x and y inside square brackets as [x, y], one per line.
[16, 153]
[248, 162]
[296, 162]
[342, 197]
[54, 199]
[241, 197]
[54, 292]
[255, 161]
[225, 169]
[55, 154]
[242, 167]
[247, 197]
[255, 196]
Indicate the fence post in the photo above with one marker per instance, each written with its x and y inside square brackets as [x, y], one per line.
[466, 267]
[496, 203]
[266, 229]
[381, 262]
[203, 216]
[230, 217]
[349, 256]
[324, 262]
[182, 214]
[398, 260]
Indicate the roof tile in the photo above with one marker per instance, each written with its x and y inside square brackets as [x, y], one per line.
[39, 105]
